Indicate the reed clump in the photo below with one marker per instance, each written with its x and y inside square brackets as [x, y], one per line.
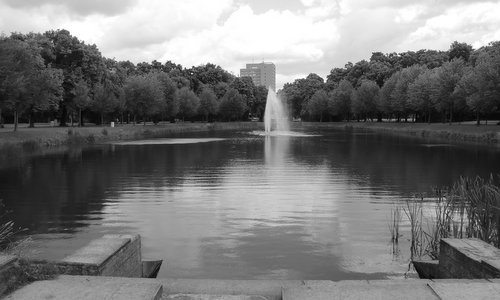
[469, 209]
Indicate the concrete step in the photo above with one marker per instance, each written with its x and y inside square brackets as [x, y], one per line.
[448, 289]
[89, 288]
[269, 289]
[383, 289]
[445, 289]
[212, 297]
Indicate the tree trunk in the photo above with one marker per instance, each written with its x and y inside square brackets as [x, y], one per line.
[1, 119]
[80, 121]
[478, 121]
[102, 119]
[15, 119]
[32, 117]
[64, 115]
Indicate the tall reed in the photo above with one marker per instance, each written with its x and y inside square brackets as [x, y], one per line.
[394, 223]
[413, 211]
[470, 209]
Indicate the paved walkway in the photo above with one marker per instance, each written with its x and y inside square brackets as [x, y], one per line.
[111, 288]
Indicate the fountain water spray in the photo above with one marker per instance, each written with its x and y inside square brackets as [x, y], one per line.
[275, 117]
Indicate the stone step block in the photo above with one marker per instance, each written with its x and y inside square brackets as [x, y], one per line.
[270, 289]
[382, 289]
[213, 297]
[90, 288]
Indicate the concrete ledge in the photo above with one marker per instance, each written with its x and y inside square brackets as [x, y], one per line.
[90, 288]
[213, 297]
[362, 289]
[428, 269]
[465, 289]
[397, 289]
[270, 289]
[111, 255]
[8, 272]
[468, 259]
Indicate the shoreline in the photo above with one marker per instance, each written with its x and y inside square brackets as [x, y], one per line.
[29, 140]
[49, 137]
[456, 133]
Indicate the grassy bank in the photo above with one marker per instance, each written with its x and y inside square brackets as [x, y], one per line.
[455, 133]
[32, 139]
[27, 139]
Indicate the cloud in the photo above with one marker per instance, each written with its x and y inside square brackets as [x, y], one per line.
[299, 36]
[78, 7]
[476, 24]
[283, 37]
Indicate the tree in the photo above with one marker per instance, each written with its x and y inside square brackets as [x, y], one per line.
[460, 50]
[259, 105]
[445, 94]
[365, 99]
[318, 105]
[82, 99]
[336, 75]
[419, 94]
[340, 100]
[208, 103]
[25, 81]
[208, 74]
[188, 103]
[480, 85]
[103, 101]
[232, 106]
[76, 60]
[245, 87]
[143, 95]
[385, 100]
[171, 102]
[399, 95]
[44, 92]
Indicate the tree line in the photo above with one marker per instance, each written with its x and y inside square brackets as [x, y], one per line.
[54, 75]
[423, 86]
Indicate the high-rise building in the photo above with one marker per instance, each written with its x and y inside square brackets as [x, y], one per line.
[263, 73]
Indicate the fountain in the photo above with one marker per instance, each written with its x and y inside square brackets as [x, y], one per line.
[275, 117]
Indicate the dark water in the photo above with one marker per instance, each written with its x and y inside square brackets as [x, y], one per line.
[240, 206]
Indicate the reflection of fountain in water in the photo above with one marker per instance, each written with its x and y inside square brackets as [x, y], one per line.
[276, 151]
[275, 118]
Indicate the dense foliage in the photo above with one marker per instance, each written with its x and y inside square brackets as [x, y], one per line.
[454, 85]
[54, 75]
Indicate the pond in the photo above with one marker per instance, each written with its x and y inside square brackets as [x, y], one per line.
[235, 205]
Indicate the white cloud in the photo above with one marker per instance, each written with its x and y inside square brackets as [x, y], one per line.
[410, 13]
[312, 37]
[282, 37]
[476, 24]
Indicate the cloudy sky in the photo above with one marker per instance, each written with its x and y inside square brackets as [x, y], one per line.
[299, 36]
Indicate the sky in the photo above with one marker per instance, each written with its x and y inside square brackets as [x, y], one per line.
[298, 36]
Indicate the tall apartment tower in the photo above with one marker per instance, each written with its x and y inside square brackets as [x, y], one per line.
[263, 73]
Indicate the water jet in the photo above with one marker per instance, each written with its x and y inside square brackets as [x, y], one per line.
[275, 117]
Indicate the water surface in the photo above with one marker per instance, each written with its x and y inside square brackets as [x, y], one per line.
[238, 205]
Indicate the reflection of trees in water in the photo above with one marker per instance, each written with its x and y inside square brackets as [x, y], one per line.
[388, 162]
[60, 193]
